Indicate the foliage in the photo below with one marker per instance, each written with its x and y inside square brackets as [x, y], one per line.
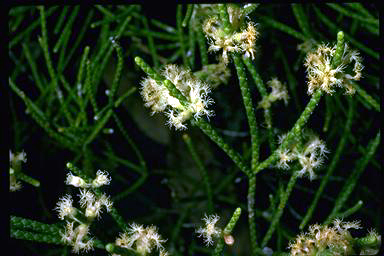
[80, 85]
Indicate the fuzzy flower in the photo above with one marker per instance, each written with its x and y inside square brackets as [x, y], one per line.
[214, 74]
[101, 179]
[209, 230]
[75, 181]
[321, 74]
[241, 42]
[158, 98]
[65, 208]
[312, 156]
[15, 166]
[285, 156]
[143, 240]
[92, 204]
[279, 92]
[19, 157]
[14, 184]
[334, 239]
[76, 237]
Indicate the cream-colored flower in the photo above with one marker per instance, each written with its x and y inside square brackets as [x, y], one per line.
[321, 74]
[209, 231]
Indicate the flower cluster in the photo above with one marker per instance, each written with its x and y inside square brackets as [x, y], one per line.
[321, 74]
[142, 240]
[79, 220]
[15, 165]
[241, 42]
[279, 92]
[310, 155]
[214, 74]
[209, 231]
[159, 99]
[335, 239]
[101, 179]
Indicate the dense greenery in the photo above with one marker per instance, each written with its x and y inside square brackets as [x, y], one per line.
[82, 78]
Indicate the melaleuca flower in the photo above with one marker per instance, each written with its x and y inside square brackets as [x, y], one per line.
[209, 231]
[321, 74]
[101, 179]
[65, 208]
[279, 92]
[310, 156]
[15, 166]
[214, 74]
[333, 240]
[142, 240]
[158, 98]
[242, 41]
[92, 204]
[76, 237]
[80, 219]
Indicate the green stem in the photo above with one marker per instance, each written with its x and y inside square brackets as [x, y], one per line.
[202, 169]
[279, 210]
[227, 231]
[215, 137]
[295, 131]
[353, 178]
[248, 104]
[331, 167]
[251, 211]
[188, 14]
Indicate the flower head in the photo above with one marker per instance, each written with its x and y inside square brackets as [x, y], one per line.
[101, 179]
[279, 92]
[241, 42]
[141, 239]
[321, 74]
[209, 230]
[158, 98]
[75, 181]
[76, 237]
[65, 208]
[335, 239]
[92, 204]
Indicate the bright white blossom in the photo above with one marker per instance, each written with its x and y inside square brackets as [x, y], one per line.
[143, 240]
[75, 181]
[65, 208]
[209, 231]
[93, 205]
[76, 237]
[101, 179]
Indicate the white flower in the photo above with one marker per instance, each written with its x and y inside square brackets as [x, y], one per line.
[141, 239]
[65, 208]
[19, 157]
[14, 184]
[93, 205]
[321, 74]
[101, 179]
[209, 230]
[158, 98]
[76, 237]
[75, 181]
